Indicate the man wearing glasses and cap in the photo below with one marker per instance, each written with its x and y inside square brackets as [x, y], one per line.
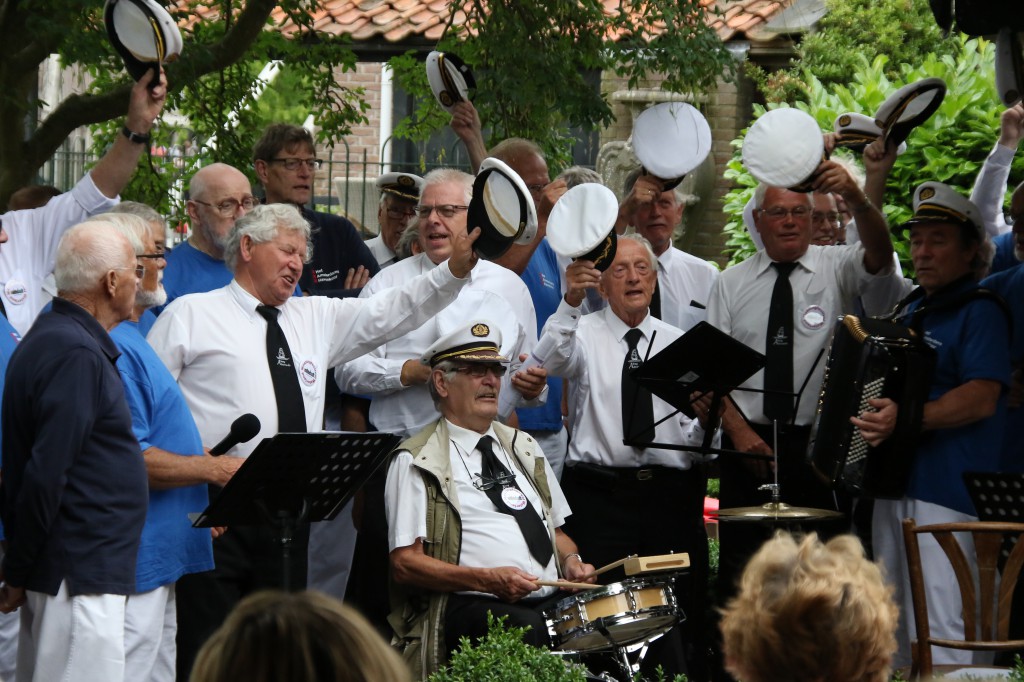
[398, 195]
[286, 164]
[496, 506]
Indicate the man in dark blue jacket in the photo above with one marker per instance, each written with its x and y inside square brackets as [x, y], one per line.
[74, 492]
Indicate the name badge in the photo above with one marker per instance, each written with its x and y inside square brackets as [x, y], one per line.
[514, 499]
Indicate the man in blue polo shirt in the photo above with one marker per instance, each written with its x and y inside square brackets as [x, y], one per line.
[963, 422]
[73, 495]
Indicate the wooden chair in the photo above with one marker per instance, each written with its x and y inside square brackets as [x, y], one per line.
[996, 593]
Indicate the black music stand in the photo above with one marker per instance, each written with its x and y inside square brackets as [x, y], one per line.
[701, 360]
[295, 478]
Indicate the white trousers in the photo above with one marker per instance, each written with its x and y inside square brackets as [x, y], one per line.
[150, 627]
[945, 607]
[71, 639]
[331, 546]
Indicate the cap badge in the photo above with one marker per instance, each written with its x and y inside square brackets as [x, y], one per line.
[926, 194]
[480, 330]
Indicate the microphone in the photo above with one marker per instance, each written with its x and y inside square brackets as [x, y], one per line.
[242, 430]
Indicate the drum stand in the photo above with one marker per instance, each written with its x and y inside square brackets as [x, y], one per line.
[621, 653]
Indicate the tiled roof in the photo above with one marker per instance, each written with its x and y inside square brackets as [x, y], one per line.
[397, 21]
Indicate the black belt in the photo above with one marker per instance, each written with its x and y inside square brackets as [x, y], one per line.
[596, 473]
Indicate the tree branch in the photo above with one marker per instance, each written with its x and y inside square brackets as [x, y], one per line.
[79, 110]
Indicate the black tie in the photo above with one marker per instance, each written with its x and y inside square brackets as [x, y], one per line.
[778, 348]
[637, 402]
[291, 411]
[514, 502]
[656, 301]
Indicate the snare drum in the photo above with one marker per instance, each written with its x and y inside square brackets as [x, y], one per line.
[617, 615]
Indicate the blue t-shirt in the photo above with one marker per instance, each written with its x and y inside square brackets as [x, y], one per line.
[191, 271]
[971, 342]
[170, 546]
[1010, 285]
[543, 278]
[1004, 258]
[9, 338]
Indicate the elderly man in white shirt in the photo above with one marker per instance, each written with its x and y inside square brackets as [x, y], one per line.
[216, 346]
[628, 499]
[391, 373]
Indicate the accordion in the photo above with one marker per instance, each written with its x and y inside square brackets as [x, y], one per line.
[870, 359]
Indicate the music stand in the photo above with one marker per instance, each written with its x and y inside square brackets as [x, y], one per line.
[997, 497]
[701, 360]
[295, 478]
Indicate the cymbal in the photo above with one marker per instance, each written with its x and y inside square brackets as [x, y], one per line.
[775, 510]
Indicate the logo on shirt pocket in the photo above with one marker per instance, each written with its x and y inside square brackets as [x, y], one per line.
[307, 372]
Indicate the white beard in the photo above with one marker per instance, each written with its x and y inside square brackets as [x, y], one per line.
[151, 299]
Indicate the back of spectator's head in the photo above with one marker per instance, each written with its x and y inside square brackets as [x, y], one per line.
[31, 196]
[515, 148]
[279, 138]
[296, 637]
[810, 611]
[579, 175]
[134, 228]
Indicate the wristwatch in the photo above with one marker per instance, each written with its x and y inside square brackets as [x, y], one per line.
[136, 138]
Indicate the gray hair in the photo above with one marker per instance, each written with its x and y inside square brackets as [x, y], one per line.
[263, 224]
[642, 241]
[411, 233]
[86, 253]
[579, 175]
[136, 208]
[762, 189]
[443, 176]
[134, 228]
[447, 368]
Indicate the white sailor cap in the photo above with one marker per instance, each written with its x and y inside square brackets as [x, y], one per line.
[909, 107]
[670, 140]
[1009, 67]
[857, 131]
[450, 79]
[935, 202]
[502, 207]
[402, 185]
[143, 33]
[582, 224]
[477, 341]
[783, 149]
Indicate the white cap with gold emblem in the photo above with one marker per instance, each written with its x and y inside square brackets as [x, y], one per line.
[935, 202]
[402, 185]
[451, 80]
[783, 149]
[477, 341]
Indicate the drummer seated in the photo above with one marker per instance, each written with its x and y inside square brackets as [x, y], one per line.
[474, 511]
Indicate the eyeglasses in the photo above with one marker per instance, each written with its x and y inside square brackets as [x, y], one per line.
[400, 213]
[292, 164]
[139, 269]
[779, 213]
[619, 271]
[830, 216]
[503, 479]
[534, 189]
[481, 370]
[159, 254]
[229, 207]
[444, 210]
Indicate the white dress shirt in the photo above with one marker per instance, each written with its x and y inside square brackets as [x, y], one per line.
[493, 293]
[214, 344]
[34, 234]
[490, 538]
[825, 283]
[590, 350]
[989, 192]
[380, 251]
[684, 279]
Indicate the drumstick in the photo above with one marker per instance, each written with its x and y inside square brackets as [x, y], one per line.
[567, 584]
[605, 569]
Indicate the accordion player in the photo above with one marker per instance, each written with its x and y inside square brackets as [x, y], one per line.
[870, 359]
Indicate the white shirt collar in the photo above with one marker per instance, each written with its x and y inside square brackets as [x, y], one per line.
[246, 301]
[618, 328]
[467, 439]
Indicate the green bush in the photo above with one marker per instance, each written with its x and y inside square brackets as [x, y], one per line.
[950, 147]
